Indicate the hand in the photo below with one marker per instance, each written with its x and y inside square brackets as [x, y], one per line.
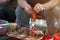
[28, 9]
[38, 7]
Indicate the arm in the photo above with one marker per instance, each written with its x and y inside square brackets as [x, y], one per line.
[25, 5]
[51, 4]
[22, 3]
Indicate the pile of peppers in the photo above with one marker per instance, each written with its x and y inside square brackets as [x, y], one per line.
[54, 37]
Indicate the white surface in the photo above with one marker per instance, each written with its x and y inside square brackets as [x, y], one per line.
[39, 22]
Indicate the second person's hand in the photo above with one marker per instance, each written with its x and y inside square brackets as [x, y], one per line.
[38, 7]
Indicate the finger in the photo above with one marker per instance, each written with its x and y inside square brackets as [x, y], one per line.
[37, 7]
[41, 6]
[29, 6]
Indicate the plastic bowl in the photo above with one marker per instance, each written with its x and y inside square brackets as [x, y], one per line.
[3, 27]
[4, 38]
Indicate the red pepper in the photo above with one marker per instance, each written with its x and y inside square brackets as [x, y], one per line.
[32, 35]
[46, 37]
[34, 28]
[22, 39]
[1, 22]
[56, 36]
[33, 16]
[15, 39]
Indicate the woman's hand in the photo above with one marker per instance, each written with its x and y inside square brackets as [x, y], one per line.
[38, 7]
[28, 9]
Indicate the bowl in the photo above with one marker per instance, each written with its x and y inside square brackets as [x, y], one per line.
[3, 38]
[3, 27]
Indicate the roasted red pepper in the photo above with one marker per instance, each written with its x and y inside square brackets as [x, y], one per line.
[1, 22]
[15, 39]
[33, 16]
[46, 37]
[56, 36]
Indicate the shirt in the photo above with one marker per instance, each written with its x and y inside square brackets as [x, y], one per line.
[34, 2]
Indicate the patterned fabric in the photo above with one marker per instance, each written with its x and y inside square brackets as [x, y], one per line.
[33, 2]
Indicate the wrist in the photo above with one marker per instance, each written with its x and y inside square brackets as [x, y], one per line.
[26, 5]
[43, 7]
